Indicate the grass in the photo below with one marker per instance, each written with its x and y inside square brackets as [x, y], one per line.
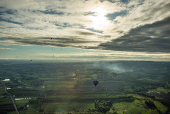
[14, 112]
[113, 81]
[150, 112]
[161, 107]
[135, 107]
[139, 103]
[66, 107]
[161, 89]
[135, 110]
[32, 109]
[122, 106]
[21, 103]
[59, 84]
[111, 111]
[2, 90]
[5, 101]
[138, 96]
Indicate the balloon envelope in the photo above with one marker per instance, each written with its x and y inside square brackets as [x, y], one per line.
[95, 82]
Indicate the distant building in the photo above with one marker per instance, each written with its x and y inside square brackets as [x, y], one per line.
[19, 80]
[6, 80]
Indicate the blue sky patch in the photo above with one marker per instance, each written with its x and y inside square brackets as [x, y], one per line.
[9, 11]
[112, 16]
[2, 39]
[90, 13]
[9, 21]
[52, 12]
[93, 30]
[125, 1]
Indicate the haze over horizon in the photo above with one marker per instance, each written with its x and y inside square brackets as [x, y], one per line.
[85, 30]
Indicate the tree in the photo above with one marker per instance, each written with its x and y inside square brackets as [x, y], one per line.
[150, 104]
[96, 103]
[109, 103]
[103, 106]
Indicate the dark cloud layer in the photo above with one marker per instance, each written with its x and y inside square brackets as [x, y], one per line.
[113, 1]
[63, 41]
[148, 38]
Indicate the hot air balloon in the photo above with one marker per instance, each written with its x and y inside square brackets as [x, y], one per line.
[95, 82]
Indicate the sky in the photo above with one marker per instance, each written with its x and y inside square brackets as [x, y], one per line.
[85, 30]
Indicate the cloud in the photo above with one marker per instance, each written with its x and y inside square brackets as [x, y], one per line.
[85, 33]
[111, 56]
[153, 37]
[111, 66]
[6, 48]
[134, 25]
[59, 41]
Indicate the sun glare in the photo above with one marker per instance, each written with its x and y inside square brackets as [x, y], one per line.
[99, 20]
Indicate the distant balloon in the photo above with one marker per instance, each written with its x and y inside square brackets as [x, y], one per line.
[95, 82]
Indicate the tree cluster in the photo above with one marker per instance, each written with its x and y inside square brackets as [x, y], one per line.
[102, 106]
[150, 104]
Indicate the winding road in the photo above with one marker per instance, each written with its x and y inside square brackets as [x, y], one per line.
[11, 99]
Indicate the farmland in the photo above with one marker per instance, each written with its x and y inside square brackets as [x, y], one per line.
[128, 87]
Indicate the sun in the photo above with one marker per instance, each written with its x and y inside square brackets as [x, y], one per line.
[99, 21]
